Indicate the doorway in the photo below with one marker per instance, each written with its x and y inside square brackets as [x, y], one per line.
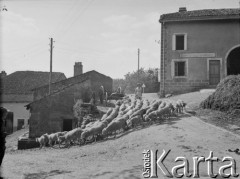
[67, 124]
[20, 124]
[214, 72]
[233, 62]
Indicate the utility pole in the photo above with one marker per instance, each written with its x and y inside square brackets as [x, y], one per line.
[50, 76]
[138, 63]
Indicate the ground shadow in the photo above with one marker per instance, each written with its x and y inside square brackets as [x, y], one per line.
[169, 121]
[43, 175]
[133, 173]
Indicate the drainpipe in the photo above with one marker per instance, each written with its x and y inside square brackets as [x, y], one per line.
[163, 60]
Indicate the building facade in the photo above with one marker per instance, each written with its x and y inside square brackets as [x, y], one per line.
[54, 112]
[198, 48]
[16, 92]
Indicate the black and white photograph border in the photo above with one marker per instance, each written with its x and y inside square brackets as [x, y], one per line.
[119, 89]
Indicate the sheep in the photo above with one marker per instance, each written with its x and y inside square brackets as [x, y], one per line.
[165, 112]
[150, 117]
[113, 114]
[162, 105]
[114, 126]
[180, 106]
[134, 121]
[109, 111]
[122, 107]
[43, 140]
[94, 131]
[153, 107]
[72, 135]
[161, 112]
[53, 138]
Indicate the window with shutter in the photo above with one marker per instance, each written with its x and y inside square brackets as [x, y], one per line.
[179, 41]
[180, 69]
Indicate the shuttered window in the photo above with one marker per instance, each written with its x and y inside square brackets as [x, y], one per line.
[180, 69]
[179, 41]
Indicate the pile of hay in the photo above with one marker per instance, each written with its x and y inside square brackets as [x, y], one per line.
[226, 97]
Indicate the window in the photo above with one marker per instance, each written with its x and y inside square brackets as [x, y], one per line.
[179, 42]
[179, 69]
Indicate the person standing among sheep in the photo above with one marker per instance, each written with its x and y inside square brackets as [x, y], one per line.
[3, 113]
[93, 98]
[119, 90]
[101, 94]
[138, 91]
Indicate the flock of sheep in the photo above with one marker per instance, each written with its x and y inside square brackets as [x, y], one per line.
[125, 115]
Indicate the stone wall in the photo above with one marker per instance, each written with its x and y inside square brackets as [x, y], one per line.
[179, 86]
[47, 114]
[202, 37]
[97, 79]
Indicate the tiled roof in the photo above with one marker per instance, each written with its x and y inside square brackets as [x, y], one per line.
[22, 82]
[201, 14]
[12, 98]
[58, 85]
[53, 93]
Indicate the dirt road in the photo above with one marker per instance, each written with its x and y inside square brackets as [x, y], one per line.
[122, 157]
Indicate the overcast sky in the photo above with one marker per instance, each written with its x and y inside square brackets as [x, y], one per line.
[102, 34]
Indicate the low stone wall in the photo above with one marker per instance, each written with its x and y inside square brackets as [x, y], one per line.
[179, 86]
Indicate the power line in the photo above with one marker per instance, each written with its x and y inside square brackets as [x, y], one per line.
[138, 63]
[50, 75]
[70, 11]
[76, 18]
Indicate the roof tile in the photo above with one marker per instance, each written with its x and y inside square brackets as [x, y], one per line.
[205, 13]
[21, 82]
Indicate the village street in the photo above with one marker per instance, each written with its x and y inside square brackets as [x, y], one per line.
[121, 157]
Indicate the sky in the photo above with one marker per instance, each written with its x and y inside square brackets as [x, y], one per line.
[102, 34]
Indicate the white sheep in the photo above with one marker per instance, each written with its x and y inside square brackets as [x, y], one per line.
[70, 136]
[134, 121]
[180, 106]
[43, 140]
[53, 138]
[114, 126]
[94, 130]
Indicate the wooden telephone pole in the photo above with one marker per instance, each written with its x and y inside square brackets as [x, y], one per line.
[50, 76]
[138, 63]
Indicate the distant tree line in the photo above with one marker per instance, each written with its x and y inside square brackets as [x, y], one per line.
[129, 83]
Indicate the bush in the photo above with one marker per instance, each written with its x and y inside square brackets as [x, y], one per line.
[226, 97]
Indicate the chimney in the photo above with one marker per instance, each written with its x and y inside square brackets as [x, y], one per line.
[3, 74]
[182, 9]
[78, 68]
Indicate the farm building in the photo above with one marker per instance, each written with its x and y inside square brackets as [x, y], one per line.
[54, 112]
[16, 92]
[96, 79]
[198, 48]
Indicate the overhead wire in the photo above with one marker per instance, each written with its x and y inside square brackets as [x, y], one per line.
[67, 16]
[81, 12]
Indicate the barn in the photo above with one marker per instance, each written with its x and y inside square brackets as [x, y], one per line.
[198, 48]
[53, 112]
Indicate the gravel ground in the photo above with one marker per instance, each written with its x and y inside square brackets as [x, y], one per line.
[121, 157]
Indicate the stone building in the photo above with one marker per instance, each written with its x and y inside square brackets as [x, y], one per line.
[198, 48]
[16, 92]
[54, 112]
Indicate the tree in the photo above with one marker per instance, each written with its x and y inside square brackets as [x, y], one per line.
[148, 77]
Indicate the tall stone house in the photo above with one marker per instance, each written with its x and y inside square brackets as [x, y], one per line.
[198, 48]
